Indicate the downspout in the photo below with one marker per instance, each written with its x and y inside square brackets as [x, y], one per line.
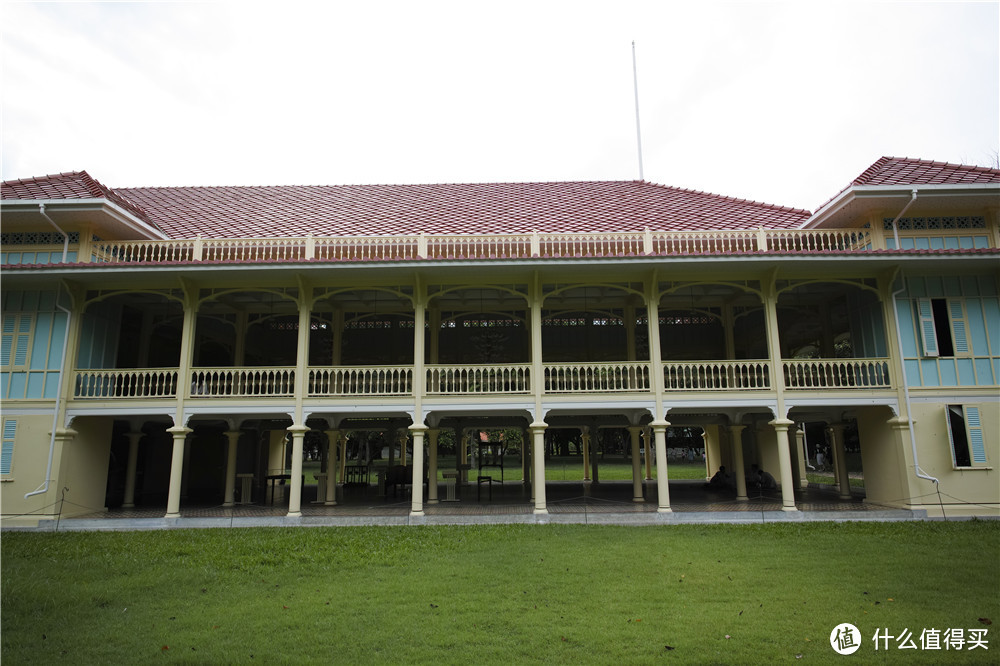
[44, 488]
[895, 231]
[41, 209]
[902, 360]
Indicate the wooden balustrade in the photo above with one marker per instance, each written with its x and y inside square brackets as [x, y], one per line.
[131, 383]
[502, 379]
[242, 382]
[596, 377]
[716, 375]
[360, 381]
[485, 246]
[837, 373]
[478, 379]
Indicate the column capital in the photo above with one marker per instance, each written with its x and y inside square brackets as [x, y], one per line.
[418, 427]
[180, 431]
[781, 424]
[659, 425]
[538, 425]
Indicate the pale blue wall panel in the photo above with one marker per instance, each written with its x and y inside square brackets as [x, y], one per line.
[984, 369]
[929, 368]
[949, 374]
[966, 371]
[40, 342]
[58, 339]
[17, 382]
[51, 385]
[906, 328]
[977, 326]
[36, 386]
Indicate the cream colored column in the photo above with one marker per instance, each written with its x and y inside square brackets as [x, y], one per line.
[463, 456]
[647, 438]
[343, 457]
[179, 433]
[801, 457]
[736, 434]
[633, 432]
[332, 466]
[585, 443]
[432, 465]
[417, 496]
[525, 457]
[295, 494]
[133, 460]
[233, 438]
[713, 452]
[538, 452]
[595, 462]
[836, 431]
[662, 486]
[785, 463]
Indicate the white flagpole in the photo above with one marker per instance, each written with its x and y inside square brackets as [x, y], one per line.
[638, 132]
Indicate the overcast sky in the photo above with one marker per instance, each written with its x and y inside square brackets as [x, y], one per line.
[775, 102]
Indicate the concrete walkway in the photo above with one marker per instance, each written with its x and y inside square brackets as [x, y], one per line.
[607, 503]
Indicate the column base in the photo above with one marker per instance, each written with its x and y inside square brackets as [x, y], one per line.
[664, 509]
[638, 500]
[789, 508]
[417, 514]
[293, 514]
[330, 503]
[845, 497]
[432, 501]
[743, 499]
[172, 515]
[541, 512]
[227, 505]
[128, 506]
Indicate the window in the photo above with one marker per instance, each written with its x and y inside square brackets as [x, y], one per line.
[965, 432]
[7, 450]
[16, 341]
[943, 326]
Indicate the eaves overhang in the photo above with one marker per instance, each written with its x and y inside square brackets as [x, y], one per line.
[103, 217]
[859, 201]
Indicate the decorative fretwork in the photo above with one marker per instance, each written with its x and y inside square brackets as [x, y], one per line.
[936, 223]
[38, 238]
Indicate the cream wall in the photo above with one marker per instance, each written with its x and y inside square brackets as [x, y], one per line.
[31, 450]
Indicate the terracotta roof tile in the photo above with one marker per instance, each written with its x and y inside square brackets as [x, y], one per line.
[69, 185]
[484, 208]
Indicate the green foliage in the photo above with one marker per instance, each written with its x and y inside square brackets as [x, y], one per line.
[500, 593]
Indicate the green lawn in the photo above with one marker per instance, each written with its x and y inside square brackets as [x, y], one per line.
[496, 594]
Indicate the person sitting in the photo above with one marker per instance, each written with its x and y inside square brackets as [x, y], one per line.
[765, 481]
[721, 479]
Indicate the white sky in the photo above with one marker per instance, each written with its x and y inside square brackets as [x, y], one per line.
[778, 102]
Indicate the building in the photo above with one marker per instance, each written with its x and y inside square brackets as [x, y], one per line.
[185, 344]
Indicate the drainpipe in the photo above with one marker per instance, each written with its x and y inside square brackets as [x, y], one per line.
[41, 209]
[895, 231]
[902, 366]
[44, 488]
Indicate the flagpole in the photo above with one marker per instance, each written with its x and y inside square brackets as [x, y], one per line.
[638, 132]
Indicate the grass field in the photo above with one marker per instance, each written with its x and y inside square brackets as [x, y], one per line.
[496, 594]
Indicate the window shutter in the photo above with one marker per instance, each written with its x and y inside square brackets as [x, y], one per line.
[959, 329]
[7, 451]
[925, 316]
[16, 340]
[975, 435]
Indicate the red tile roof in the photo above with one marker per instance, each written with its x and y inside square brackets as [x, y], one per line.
[70, 185]
[905, 171]
[488, 208]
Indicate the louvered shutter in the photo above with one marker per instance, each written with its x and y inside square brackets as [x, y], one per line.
[925, 317]
[16, 340]
[7, 450]
[959, 328]
[975, 435]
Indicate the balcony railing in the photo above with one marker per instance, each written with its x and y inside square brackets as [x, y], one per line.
[131, 383]
[597, 377]
[496, 379]
[837, 374]
[499, 246]
[242, 382]
[478, 379]
[360, 381]
[716, 375]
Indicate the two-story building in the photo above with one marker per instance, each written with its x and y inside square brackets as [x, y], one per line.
[214, 328]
